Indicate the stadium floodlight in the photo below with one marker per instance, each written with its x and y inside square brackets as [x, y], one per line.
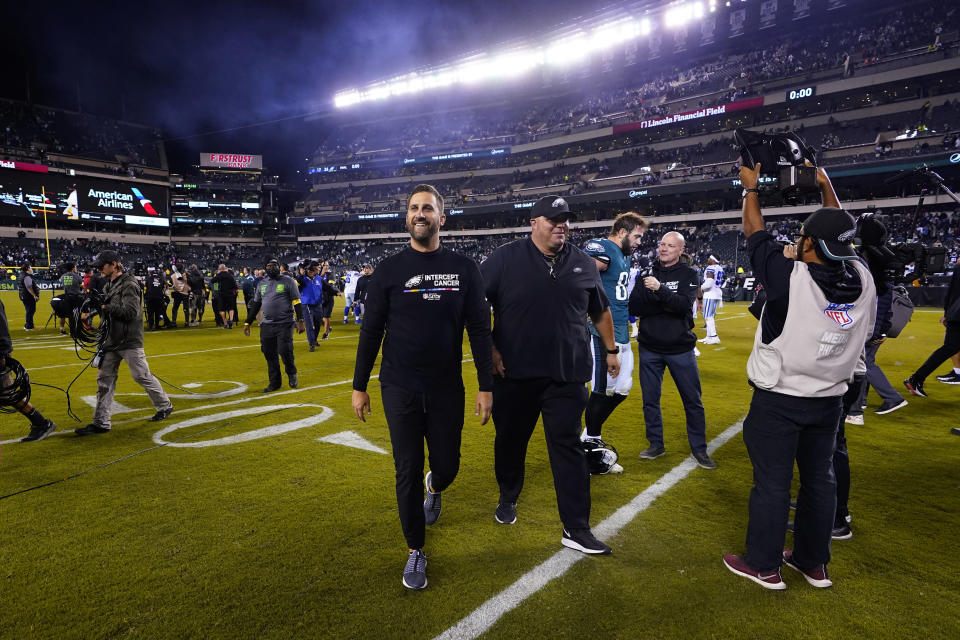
[346, 99]
[568, 50]
[645, 27]
[614, 34]
[681, 14]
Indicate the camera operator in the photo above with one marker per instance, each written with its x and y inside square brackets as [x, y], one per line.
[123, 309]
[820, 307]
[873, 238]
[72, 297]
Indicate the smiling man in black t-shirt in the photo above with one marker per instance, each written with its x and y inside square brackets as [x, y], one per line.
[423, 298]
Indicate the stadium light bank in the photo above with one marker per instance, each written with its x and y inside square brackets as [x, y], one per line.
[571, 48]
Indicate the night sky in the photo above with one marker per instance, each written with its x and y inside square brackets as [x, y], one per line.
[198, 67]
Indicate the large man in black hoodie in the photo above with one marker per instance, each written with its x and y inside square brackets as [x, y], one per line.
[663, 304]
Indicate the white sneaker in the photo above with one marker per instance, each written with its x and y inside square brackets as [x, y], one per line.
[711, 340]
[616, 468]
[857, 420]
[696, 352]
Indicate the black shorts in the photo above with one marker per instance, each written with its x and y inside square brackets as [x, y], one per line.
[328, 308]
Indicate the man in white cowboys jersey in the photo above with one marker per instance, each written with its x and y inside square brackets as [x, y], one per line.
[713, 278]
[349, 291]
[612, 255]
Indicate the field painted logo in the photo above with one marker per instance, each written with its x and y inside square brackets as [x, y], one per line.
[839, 313]
[325, 414]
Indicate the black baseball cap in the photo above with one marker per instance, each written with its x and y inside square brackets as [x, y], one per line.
[834, 229]
[271, 259]
[106, 257]
[552, 207]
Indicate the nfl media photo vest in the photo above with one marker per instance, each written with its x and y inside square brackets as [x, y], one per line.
[821, 344]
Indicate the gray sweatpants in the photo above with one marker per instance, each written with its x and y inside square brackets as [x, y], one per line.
[107, 382]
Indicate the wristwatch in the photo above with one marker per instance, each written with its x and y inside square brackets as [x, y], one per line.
[613, 351]
[746, 191]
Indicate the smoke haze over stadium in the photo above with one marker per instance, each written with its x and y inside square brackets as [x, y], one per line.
[197, 67]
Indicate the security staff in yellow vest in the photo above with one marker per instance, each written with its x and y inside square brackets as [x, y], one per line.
[820, 307]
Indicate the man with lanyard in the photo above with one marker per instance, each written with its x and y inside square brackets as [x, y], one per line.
[122, 309]
[423, 298]
[819, 311]
[612, 255]
[713, 278]
[541, 287]
[311, 298]
[279, 297]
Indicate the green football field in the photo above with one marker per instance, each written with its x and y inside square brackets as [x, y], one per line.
[247, 515]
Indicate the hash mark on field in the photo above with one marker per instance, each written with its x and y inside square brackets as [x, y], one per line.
[487, 614]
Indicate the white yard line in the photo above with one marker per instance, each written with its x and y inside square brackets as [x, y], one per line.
[487, 614]
[182, 353]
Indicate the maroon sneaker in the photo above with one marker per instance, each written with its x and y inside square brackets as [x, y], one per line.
[817, 577]
[767, 579]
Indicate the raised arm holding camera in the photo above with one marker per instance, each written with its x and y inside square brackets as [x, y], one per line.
[820, 308]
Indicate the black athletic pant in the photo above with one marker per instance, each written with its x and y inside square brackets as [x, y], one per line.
[277, 339]
[841, 460]
[180, 299]
[155, 310]
[437, 416]
[778, 431]
[29, 308]
[951, 345]
[516, 406]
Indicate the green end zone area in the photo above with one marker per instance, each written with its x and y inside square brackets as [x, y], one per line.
[288, 535]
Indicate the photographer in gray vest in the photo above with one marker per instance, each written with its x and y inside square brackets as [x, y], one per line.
[820, 308]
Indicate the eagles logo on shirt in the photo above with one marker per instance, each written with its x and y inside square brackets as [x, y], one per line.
[413, 282]
[839, 313]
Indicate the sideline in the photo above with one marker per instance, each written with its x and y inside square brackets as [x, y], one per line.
[487, 614]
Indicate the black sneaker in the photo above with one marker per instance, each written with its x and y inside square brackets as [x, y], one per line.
[415, 572]
[325, 335]
[704, 460]
[583, 540]
[312, 348]
[889, 407]
[955, 431]
[432, 505]
[40, 432]
[270, 388]
[652, 452]
[506, 512]
[293, 381]
[950, 378]
[916, 388]
[842, 532]
[91, 429]
[162, 415]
